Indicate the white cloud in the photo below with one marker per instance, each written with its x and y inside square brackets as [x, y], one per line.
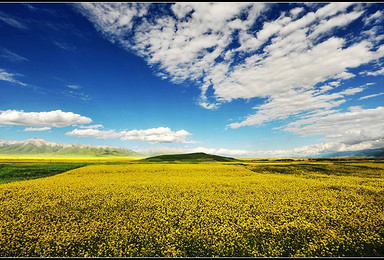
[296, 62]
[337, 21]
[10, 77]
[187, 47]
[55, 118]
[157, 135]
[294, 103]
[371, 96]
[113, 19]
[374, 18]
[317, 149]
[283, 72]
[152, 135]
[38, 129]
[179, 47]
[95, 133]
[355, 126]
[376, 73]
[296, 11]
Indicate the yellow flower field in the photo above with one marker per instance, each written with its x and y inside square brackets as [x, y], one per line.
[194, 210]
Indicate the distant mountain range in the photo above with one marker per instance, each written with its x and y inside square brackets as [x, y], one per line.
[371, 153]
[41, 147]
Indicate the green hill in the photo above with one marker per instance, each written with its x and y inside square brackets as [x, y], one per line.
[189, 157]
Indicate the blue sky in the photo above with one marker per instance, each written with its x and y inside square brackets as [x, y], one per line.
[239, 79]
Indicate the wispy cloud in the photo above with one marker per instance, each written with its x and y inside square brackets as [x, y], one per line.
[11, 56]
[371, 96]
[12, 21]
[91, 126]
[10, 77]
[74, 86]
[55, 118]
[152, 135]
[75, 94]
[64, 46]
[32, 7]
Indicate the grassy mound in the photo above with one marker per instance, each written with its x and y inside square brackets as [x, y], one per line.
[189, 158]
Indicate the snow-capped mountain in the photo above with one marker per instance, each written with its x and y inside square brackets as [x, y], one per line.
[36, 146]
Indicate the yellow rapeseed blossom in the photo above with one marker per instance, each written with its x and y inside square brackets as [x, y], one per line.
[195, 210]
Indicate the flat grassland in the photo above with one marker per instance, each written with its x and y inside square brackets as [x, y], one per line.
[206, 209]
[17, 172]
